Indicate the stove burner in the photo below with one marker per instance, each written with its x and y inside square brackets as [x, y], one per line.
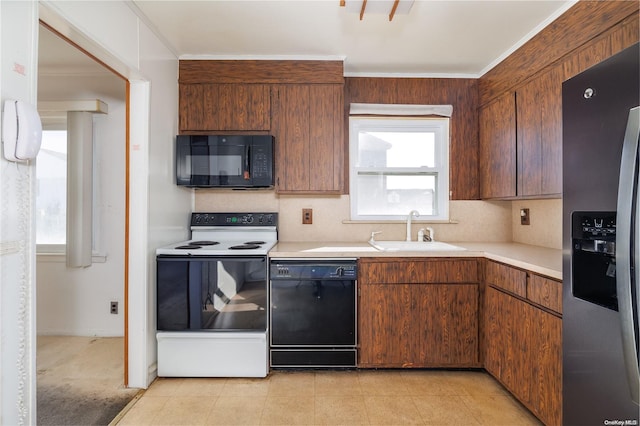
[245, 246]
[255, 242]
[188, 247]
[204, 243]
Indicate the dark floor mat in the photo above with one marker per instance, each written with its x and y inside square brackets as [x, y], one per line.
[65, 404]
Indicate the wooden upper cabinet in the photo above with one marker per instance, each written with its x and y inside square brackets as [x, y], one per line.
[521, 141]
[498, 148]
[307, 122]
[225, 107]
[539, 135]
[587, 34]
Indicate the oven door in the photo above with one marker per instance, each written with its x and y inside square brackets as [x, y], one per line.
[221, 293]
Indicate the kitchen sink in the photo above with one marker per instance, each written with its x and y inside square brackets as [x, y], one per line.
[414, 246]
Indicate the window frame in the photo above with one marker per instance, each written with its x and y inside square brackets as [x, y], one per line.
[440, 126]
[57, 252]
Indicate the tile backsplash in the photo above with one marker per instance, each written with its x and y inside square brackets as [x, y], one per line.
[546, 223]
[474, 220]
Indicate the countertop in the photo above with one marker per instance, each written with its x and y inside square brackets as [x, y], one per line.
[540, 260]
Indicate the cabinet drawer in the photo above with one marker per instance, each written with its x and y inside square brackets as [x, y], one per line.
[402, 271]
[507, 278]
[545, 292]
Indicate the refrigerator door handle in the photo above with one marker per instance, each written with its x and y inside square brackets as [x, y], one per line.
[627, 245]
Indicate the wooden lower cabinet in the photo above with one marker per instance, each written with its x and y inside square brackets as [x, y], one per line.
[424, 316]
[523, 351]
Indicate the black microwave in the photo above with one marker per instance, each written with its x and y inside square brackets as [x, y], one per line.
[224, 161]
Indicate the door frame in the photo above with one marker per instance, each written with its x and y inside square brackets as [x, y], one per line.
[137, 258]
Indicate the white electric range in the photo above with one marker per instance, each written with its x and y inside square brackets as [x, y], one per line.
[212, 303]
[231, 234]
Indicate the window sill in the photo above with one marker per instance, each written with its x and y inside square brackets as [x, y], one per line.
[383, 221]
[61, 258]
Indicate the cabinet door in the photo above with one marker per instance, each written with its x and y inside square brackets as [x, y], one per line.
[523, 351]
[307, 123]
[291, 129]
[384, 324]
[224, 107]
[244, 107]
[499, 331]
[539, 135]
[447, 325]
[326, 143]
[418, 325]
[545, 364]
[498, 148]
[508, 352]
[198, 109]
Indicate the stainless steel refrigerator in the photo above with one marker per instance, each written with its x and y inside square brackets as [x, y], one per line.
[601, 244]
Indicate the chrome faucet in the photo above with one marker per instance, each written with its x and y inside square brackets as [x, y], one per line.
[372, 240]
[411, 214]
[431, 236]
[426, 234]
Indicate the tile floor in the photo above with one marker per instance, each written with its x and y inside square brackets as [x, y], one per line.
[363, 397]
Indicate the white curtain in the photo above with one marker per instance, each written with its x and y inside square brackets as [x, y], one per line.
[79, 188]
[400, 109]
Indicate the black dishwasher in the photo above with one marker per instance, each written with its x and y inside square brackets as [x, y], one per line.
[313, 313]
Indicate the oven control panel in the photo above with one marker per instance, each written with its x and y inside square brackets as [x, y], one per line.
[234, 219]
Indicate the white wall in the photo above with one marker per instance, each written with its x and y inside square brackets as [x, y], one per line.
[18, 41]
[75, 301]
[169, 206]
[111, 31]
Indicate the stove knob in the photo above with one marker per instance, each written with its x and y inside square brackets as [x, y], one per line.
[249, 219]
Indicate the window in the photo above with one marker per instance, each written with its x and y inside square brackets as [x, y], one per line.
[67, 179]
[51, 196]
[399, 164]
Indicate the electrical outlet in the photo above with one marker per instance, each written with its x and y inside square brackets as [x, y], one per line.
[307, 216]
[114, 308]
[524, 217]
